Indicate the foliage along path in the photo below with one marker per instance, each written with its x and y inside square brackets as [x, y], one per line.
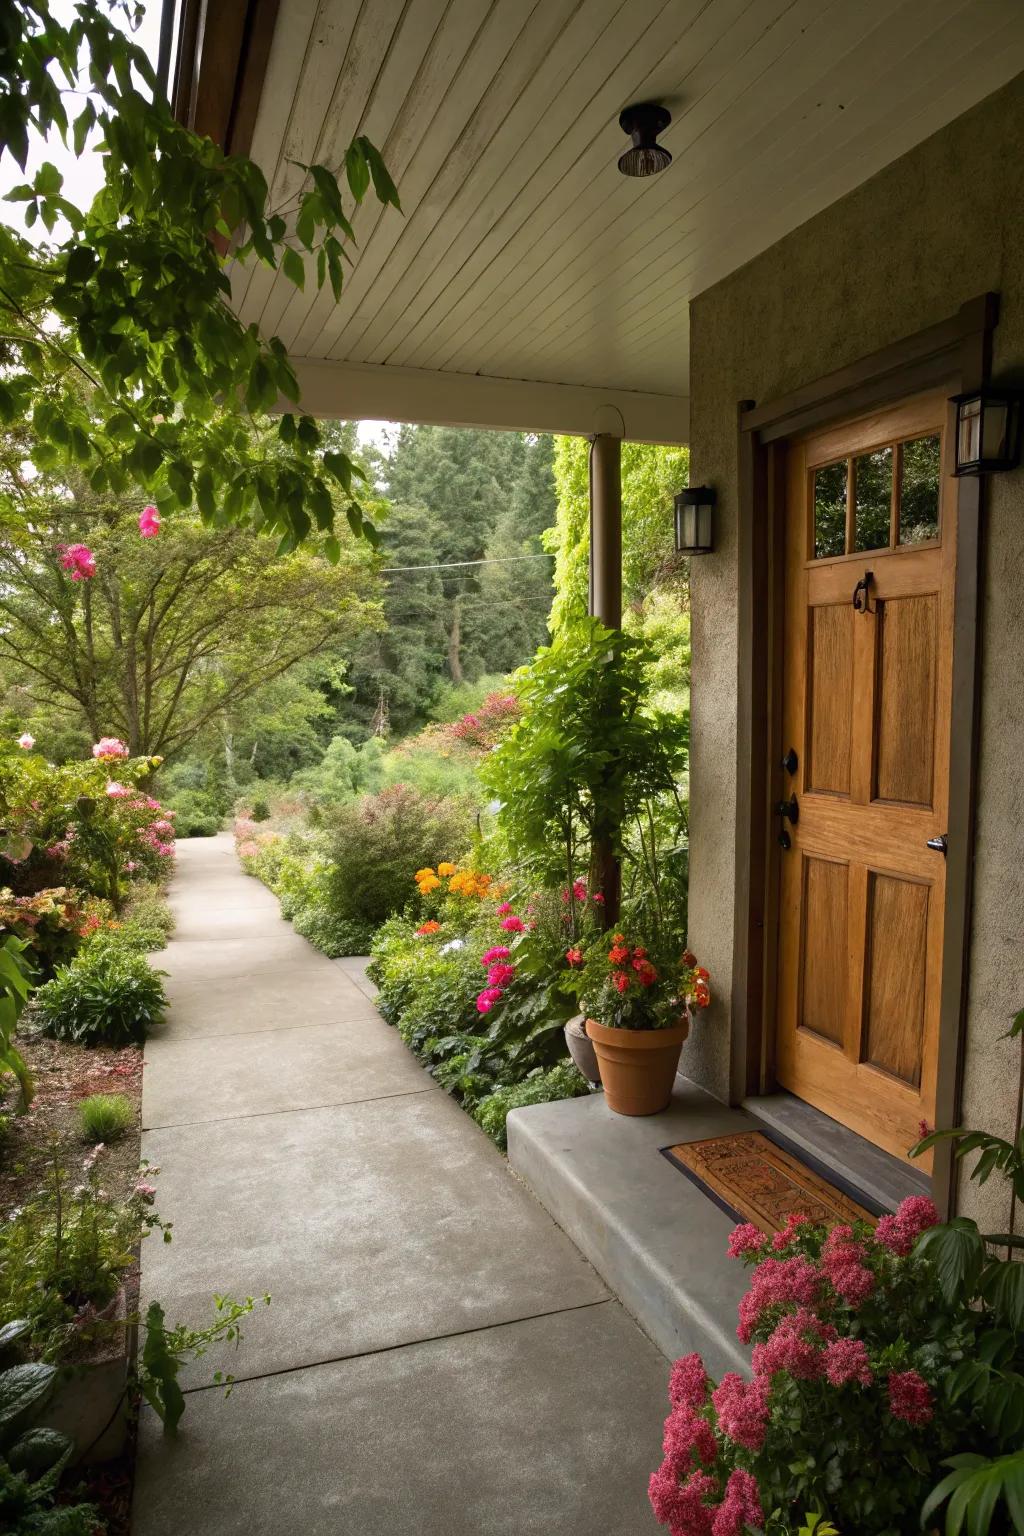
[437, 1356]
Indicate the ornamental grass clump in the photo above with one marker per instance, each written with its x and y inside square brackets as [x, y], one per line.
[104, 1117]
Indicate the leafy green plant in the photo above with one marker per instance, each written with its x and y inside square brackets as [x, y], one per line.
[165, 1350]
[64, 1253]
[561, 1081]
[107, 995]
[590, 765]
[105, 1116]
[260, 810]
[33, 1459]
[15, 985]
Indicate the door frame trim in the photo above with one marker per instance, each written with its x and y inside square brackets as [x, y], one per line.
[956, 353]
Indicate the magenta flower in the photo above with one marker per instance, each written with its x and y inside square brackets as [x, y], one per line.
[910, 1397]
[794, 1346]
[688, 1435]
[741, 1510]
[26, 742]
[109, 747]
[487, 999]
[899, 1233]
[497, 952]
[746, 1238]
[79, 560]
[846, 1360]
[149, 522]
[513, 924]
[500, 974]
[504, 908]
[742, 1408]
[688, 1383]
[117, 791]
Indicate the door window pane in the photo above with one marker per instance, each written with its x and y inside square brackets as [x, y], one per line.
[830, 510]
[919, 491]
[872, 499]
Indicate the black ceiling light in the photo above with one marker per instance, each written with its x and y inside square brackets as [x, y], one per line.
[643, 122]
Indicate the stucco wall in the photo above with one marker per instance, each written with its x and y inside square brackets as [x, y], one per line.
[939, 226]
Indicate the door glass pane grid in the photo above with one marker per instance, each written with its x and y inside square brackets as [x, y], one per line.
[881, 499]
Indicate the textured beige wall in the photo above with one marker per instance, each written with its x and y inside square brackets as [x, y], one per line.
[939, 226]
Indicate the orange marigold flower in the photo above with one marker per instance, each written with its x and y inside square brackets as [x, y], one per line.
[421, 874]
[427, 928]
[446, 869]
[428, 883]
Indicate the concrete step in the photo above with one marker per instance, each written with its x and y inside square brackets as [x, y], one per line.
[656, 1240]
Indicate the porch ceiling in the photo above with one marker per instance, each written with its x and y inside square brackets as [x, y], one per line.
[522, 254]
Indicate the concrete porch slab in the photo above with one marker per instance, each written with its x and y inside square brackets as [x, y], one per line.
[658, 1241]
[372, 1225]
[507, 1432]
[321, 1064]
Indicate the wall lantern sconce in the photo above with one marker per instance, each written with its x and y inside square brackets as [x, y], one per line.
[987, 431]
[695, 520]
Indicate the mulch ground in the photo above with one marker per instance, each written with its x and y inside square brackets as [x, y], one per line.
[64, 1075]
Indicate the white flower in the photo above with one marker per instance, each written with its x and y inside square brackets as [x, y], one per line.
[452, 944]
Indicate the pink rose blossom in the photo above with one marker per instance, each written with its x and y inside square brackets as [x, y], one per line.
[846, 1360]
[149, 522]
[910, 1397]
[742, 1408]
[26, 742]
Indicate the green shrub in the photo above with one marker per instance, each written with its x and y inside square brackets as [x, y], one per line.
[108, 995]
[146, 923]
[376, 844]
[199, 813]
[105, 1116]
[558, 1082]
[260, 811]
[329, 933]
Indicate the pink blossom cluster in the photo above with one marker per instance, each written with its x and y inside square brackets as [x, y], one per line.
[777, 1283]
[149, 522]
[910, 1397]
[500, 975]
[842, 1263]
[795, 1345]
[900, 1232]
[78, 560]
[26, 742]
[109, 747]
[742, 1408]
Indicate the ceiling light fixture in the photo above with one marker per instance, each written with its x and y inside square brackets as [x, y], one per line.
[643, 122]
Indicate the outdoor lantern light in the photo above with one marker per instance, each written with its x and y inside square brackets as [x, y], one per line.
[643, 123]
[987, 431]
[695, 520]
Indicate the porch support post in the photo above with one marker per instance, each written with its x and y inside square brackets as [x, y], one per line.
[606, 605]
[606, 529]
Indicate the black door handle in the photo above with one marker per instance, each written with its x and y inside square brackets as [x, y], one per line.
[790, 763]
[787, 810]
[939, 844]
[862, 593]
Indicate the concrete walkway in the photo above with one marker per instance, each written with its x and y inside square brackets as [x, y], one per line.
[438, 1356]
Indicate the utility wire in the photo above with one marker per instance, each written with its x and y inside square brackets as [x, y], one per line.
[451, 565]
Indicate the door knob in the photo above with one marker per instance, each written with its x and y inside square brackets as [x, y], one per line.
[939, 844]
[787, 810]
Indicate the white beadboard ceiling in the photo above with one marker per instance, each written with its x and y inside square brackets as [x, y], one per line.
[521, 252]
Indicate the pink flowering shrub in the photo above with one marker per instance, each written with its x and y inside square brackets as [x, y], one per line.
[860, 1357]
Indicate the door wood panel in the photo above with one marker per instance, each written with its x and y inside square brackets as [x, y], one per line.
[866, 706]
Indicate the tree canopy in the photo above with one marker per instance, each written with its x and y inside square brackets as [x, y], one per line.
[135, 302]
[172, 633]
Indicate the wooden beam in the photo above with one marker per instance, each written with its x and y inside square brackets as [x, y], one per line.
[377, 392]
[221, 62]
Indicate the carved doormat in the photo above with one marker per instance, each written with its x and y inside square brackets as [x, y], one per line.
[755, 1179]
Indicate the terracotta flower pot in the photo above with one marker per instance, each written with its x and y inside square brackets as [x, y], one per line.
[638, 1066]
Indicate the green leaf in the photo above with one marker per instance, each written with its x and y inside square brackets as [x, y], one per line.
[1002, 1286]
[293, 267]
[382, 183]
[957, 1251]
[38, 1452]
[160, 1371]
[23, 1391]
[356, 169]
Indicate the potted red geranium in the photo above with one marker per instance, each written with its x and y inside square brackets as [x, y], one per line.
[638, 1009]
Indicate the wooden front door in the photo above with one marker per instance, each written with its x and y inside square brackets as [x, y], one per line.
[870, 566]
